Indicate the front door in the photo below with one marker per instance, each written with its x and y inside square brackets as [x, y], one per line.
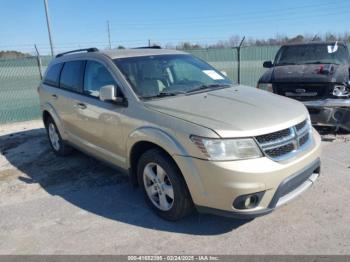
[100, 127]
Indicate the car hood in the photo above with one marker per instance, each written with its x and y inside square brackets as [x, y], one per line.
[311, 73]
[238, 111]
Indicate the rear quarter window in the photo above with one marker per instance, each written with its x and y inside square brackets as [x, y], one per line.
[72, 76]
[53, 75]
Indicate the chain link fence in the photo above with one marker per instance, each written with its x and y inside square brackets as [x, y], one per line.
[19, 78]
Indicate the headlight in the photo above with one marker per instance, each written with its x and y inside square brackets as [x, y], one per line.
[341, 91]
[265, 86]
[227, 149]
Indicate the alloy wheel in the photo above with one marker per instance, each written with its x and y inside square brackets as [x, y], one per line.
[54, 138]
[158, 186]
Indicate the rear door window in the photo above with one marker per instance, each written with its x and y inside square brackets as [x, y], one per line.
[53, 75]
[72, 76]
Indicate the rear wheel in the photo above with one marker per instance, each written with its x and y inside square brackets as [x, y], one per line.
[163, 185]
[55, 139]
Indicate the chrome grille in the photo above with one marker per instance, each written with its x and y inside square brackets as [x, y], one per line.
[285, 143]
[301, 125]
[303, 140]
[278, 151]
[274, 136]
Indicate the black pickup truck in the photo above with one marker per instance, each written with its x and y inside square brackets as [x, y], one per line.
[316, 74]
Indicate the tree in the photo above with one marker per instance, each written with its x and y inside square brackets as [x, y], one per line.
[12, 54]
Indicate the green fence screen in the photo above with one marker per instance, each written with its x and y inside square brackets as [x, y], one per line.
[19, 78]
[223, 59]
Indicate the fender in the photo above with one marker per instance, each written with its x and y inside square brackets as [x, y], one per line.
[156, 136]
[51, 110]
[175, 150]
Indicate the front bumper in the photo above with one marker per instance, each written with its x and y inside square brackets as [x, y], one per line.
[214, 186]
[330, 112]
[289, 189]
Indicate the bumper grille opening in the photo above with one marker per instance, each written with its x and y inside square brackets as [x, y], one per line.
[294, 182]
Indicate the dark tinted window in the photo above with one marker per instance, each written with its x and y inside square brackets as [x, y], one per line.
[96, 76]
[53, 74]
[313, 54]
[71, 76]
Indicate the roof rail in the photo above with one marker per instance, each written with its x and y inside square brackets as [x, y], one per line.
[91, 49]
[148, 47]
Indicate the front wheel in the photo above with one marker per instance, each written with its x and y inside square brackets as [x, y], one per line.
[163, 185]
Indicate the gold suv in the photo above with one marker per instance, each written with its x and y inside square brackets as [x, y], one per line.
[186, 134]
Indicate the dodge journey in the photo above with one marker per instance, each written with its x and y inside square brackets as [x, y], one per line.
[186, 134]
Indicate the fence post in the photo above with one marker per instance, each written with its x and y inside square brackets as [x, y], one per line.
[38, 60]
[239, 61]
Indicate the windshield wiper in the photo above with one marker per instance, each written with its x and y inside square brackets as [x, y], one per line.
[207, 87]
[165, 94]
[319, 63]
[282, 64]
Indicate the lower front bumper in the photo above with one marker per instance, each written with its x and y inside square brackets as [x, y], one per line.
[330, 112]
[289, 189]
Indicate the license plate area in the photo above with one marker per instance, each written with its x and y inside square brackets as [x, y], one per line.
[307, 94]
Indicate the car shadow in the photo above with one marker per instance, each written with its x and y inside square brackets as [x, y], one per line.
[95, 187]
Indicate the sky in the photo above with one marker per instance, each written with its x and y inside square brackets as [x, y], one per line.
[83, 23]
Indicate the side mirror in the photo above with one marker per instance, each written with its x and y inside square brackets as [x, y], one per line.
[267, 64]
[108, 93]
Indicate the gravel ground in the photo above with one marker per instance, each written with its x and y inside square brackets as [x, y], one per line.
[77, 205]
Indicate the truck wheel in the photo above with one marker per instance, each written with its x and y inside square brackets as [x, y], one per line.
[163, 185]
[57, 144]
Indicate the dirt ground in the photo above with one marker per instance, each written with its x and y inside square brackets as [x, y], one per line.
[77, 205]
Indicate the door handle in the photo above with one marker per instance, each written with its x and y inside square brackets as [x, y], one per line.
[54, 96]
[81, 105]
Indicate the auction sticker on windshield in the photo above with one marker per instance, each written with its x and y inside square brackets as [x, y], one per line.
[213, 75]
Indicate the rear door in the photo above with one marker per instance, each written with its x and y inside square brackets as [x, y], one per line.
[68, 95]
[50, 85]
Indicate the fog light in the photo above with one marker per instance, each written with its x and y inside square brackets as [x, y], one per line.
[248, 201]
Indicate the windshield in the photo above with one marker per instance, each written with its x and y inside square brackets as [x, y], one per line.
[162, 75]
[312, 54]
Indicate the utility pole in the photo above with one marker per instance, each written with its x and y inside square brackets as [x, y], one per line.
[48, 26]
[239, 60]
[109, 34]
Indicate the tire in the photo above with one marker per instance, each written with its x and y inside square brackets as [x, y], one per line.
[58, 146]
[163, 186]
